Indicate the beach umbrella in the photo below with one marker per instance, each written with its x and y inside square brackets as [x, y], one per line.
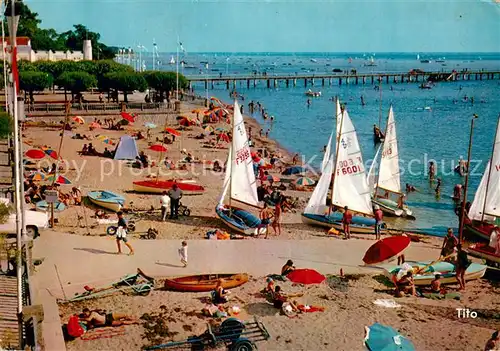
[386, 249]
[383, 338]
[51, 153]
[223, 137]
[209, 129]
[105, 140]
[172, 131]
[128, 117]
[305, 276]
[94, 125]
[273, 178]
[305, 181]
[149, 125]
[221, 129]
[79, 119]
[58, 179]
[37, 176]
[158, 147]
[35, 154]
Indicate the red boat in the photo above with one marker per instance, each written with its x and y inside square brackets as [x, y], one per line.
[478, 228]
[159, 186]
[386, 250]
[205, 282]
[486, 252]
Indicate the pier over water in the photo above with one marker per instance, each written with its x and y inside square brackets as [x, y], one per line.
[323, 79]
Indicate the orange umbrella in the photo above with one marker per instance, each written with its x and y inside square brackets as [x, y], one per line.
[172, 131]
[79, 119]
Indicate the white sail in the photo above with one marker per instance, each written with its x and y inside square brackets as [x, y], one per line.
[350, 184]
[371, 177]
[388, 174]
[328, 150]
[488, 194]
[317, 202]
[243, 184]
[227, 177]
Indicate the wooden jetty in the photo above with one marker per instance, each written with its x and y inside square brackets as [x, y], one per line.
[322, 79]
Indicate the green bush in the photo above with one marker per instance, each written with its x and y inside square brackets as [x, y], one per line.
[6, 125]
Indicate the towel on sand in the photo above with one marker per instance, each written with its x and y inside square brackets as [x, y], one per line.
[438, 296]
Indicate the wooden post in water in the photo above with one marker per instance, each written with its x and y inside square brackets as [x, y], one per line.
[227, 84]
[462, 210]
[305, 82]
[373, 79]
[268, 83]
[340, 81]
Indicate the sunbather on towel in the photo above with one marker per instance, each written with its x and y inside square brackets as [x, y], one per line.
[406, 285]
[98, 319]
[307, 308]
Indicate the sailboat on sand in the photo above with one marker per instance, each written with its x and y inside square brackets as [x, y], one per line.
[239, 181]
[484, 213]
[349, 185]
[388, 181]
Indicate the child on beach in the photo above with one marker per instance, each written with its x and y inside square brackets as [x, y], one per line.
[183, 253]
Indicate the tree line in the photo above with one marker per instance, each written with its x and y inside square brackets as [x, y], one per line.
[104, 75]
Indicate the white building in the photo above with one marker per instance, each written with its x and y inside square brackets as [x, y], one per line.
[25, 52]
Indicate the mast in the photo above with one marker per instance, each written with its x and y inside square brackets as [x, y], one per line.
[383, 144]
[336, 156]
[380, 102]
[489, 171]
[231, 159]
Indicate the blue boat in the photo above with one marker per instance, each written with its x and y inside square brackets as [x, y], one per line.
[107, 199]
[237, 219]
[359, 225]
[43, 206]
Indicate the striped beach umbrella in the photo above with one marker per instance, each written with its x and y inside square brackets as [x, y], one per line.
[51, 153]
[105, 139]
[273, 178]
[209, 129]
[58, 179]
[149, 125]
[38, 176]
[305, 181]
[128, 117]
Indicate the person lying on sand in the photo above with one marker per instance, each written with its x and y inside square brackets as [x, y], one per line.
[98, 319]
[406, 285]
[494, 342]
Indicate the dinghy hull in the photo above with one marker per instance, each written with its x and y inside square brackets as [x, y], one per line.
[107, 200]
[390, 208]
[238, 220]
[484, 251]
[205, 282]
[360, 225]
[445, 269]
[158, 187]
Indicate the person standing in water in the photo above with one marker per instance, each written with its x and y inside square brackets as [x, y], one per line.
[432, 171]
[438, 187]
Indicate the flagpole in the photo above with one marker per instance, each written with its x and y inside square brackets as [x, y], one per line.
[154, 49]
[177, 70]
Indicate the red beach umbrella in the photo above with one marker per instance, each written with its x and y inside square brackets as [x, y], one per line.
[127, 116]
[172, 131]
[35, 154]
[306, 276]
[387, 249]
[223, 137]
[159, 148]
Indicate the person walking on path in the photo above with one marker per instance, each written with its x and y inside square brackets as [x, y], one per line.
[378, 221]
[449, 243]
[175, 195]
[346, 223]
[121, 234]
[165, 204]
[183, 253]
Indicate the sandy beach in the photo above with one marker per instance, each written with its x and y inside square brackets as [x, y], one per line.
[348, 301]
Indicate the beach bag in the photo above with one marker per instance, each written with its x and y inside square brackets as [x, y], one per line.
[74, 328]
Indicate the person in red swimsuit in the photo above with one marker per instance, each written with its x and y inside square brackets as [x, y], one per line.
[346, 222]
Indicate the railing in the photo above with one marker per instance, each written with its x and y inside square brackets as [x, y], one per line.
[93, 107]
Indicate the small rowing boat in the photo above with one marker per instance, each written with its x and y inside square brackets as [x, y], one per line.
[43, 206]
[486, 252]
[445, 269]
[159, 186]
[205, 282]
[106, 199]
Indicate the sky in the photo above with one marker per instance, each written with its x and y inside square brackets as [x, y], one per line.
[284, 25]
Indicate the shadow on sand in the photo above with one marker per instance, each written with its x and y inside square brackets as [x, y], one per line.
[95, 251]
[169, 265]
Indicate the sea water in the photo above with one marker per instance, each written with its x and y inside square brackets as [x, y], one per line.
[431, 124]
